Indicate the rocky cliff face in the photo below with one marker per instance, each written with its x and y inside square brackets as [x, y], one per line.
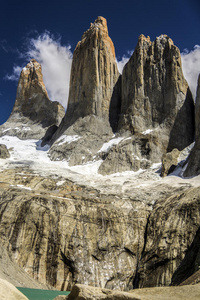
[33, 111]
[193, 167]
[61, 232]
[155, 94]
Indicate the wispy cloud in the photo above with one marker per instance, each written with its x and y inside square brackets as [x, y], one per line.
[191, 67]
[3, 45]
[121, 62]
[15, 74]
[56, 65]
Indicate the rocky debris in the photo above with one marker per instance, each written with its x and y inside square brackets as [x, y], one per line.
[193, 167]
[33, 111]
[10, 292]
[155, 94]
[94, 74]
[4, 153]
[169, 162]
[84, 292]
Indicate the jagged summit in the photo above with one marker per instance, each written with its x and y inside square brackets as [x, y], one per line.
[100, 30]
[33, 111]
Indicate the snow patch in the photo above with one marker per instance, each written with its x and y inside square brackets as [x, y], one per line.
[6, 129]
[67, 139]
[109, 144]
[147, 131]
[61, 182]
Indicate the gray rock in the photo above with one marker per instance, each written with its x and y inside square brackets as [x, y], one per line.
[155, 94]
[193, 167]
[94, 74]
[169, 162]
[81, 142]
[4, 153]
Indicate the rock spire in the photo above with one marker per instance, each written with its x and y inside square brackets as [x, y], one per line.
[155, 93]
[94, 74]
[32, 106]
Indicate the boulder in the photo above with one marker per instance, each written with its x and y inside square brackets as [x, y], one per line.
[84, 292]
[4, 153]
[168, 293]
[169, 162]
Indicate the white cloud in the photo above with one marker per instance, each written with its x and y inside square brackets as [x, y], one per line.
[15, 75]
[56, 65]
[191, 67]
[125, 58]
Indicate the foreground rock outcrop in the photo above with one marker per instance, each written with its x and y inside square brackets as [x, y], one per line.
[173, 293]
[193, 167]
[33, 111]
[9, 291]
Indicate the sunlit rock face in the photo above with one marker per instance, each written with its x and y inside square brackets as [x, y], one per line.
[155, 94]
[33, 111]
[193, 167]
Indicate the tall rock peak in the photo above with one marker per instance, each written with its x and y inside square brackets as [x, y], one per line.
[155, 93]
[100, 30]
[32, 109]
[30, 84]
[94, 74]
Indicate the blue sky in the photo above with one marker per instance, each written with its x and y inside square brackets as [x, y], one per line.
[50, 30]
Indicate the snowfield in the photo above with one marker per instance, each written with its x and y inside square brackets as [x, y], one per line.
[28, 154]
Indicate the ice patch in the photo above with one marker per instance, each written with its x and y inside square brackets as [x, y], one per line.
[147, 131]
[22, 187]
[6, 129]
[88, 168]
[67, 139]
[111, 143]
[61, 182]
